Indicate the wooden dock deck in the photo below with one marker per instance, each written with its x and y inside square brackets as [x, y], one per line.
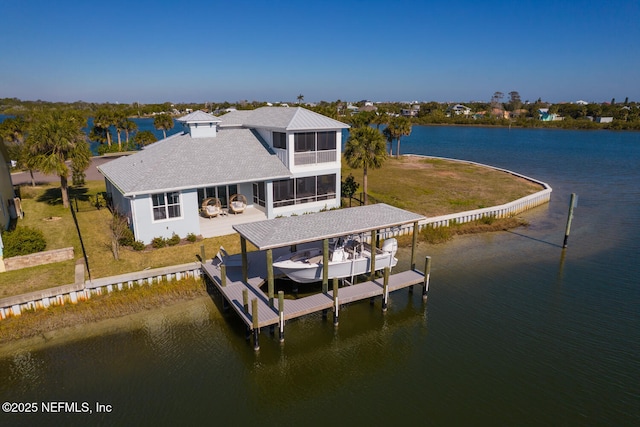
[268, 315]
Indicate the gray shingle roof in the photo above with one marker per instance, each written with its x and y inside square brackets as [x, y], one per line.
[279, 232]
[292, 119]
[199, 117]
[181, 162]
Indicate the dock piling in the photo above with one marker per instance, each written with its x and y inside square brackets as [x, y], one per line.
[427, 273]
[256, 328]
[336, 305]
[572, 204]
[245, 300]
[385, 289]
[281, 314]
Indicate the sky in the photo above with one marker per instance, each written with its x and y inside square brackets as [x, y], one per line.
[124, 51]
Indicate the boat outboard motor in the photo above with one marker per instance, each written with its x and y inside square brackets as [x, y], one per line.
[390, 245]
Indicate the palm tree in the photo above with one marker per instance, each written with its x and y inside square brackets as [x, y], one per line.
[103, 120]
[13, 132]
[163, 122]
[389, 136]
[300, 98]
[381, 118]
[365, 149]
[399, 127]
[54, 138]
[128, 126]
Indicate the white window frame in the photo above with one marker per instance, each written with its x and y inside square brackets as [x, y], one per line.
[166, 206]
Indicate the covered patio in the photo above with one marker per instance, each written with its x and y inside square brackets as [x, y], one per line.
[222, 225]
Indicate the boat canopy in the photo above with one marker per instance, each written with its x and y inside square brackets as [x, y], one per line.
[294, 230]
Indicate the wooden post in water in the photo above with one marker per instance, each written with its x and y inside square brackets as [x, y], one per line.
[336, 306]
[572, 204]
[374, 233]
[256, 329]
[413, 245]
[245, 300]
[385, 289]
[270, 282]
[281, 314]
[427, 273]
[325, 266]
[245, 263]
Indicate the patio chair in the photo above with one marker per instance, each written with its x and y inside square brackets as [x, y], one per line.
[211, 207]
[237, 203]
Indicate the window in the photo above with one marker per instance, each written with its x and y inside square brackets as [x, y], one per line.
[303, 190]
[326, 141]
[326, 187]
[166, 205]
[280, 140]
[306, 189]
[305, 141]
[283, 194]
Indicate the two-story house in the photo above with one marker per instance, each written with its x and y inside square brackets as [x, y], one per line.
[285, 161]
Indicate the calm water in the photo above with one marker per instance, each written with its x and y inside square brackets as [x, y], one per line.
[515, 332]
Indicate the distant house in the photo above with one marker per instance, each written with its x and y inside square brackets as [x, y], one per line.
[410, 112]
[581, 102]
[546, 116]
[285, 161]
[460, 109]
[7, 195]
[604, 119]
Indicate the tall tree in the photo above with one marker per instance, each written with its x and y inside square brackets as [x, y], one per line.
[381, 118]
[144, 138]
[54, 138]
[103, 120]
[13, 132]
[118, 121]
[128, 126]
[399, 127]
[300, 98]
[163, 122]
[365, 149]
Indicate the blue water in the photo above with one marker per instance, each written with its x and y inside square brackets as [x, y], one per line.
[515, 332]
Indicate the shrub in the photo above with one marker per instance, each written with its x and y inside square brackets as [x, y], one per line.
[138, 245]
[435, 235]
[127, 238]
[191, 237]
[159, 242]
[174, 240]
[488, 219]
[23, 241]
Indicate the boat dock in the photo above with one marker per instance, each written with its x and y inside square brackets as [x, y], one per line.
[239, 278]
[238, 293]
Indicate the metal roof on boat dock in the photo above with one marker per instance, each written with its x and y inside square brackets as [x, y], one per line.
[279, 232]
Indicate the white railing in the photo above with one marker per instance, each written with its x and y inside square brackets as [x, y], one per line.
[315, 157]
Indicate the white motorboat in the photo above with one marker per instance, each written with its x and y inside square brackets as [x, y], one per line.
[347, 258]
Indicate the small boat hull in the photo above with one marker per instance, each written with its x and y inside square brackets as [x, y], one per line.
[306, 266]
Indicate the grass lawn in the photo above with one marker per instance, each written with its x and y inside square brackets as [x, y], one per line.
[426, 186]
[433, 187]
[43, 210]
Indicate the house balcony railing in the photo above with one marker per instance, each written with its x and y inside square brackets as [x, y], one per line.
[315, 157]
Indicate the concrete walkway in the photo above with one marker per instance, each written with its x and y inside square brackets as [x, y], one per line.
[92, 174]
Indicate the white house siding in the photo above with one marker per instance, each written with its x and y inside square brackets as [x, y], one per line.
[146, 229]
[6, 193]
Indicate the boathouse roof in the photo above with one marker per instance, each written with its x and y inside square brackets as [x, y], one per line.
[279, 232]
